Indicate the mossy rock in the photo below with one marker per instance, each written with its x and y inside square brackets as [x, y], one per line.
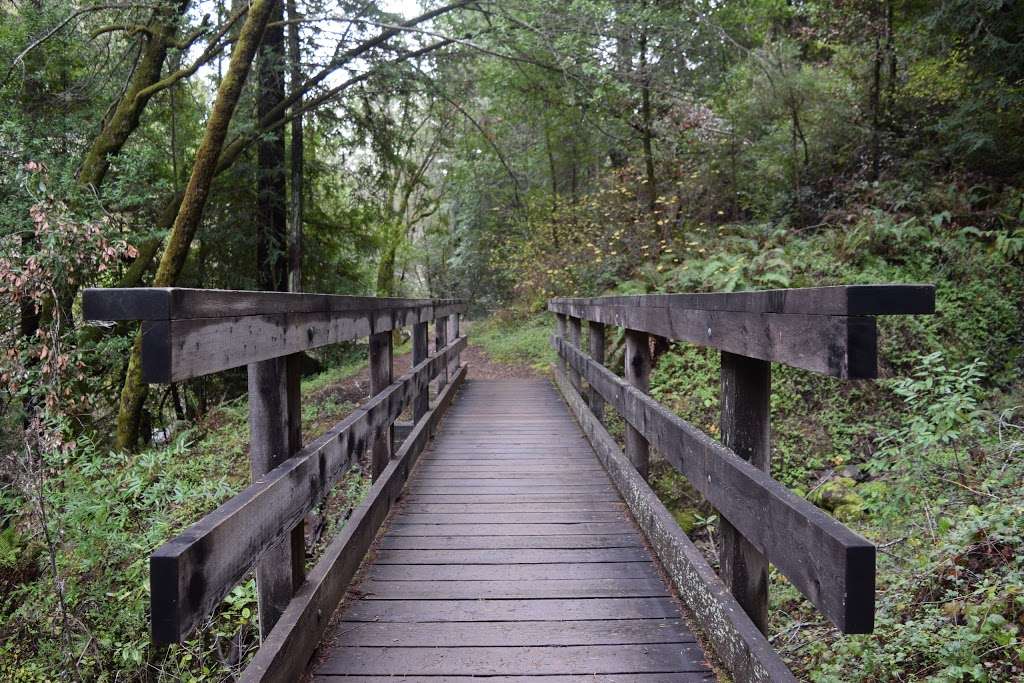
[839, 497]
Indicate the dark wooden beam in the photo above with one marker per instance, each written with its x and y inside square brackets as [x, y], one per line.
[420, 351]
[888, 299]
[841, 346]
[274, 436]
[831, 565]
[597, 343]
[638, 374]
[745, 428]
[193, 332]
[381, 367]
[178, 303]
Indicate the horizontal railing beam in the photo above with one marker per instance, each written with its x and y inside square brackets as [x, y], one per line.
[831, 565]
[188, 333]
[841, 346]
[181, 303]
[191, 574]
[892, 299]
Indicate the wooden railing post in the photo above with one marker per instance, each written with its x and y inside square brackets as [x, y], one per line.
[274, 436]
[560, 330]
[453, 333]
[597, 353]
[380, 378]
[638, 373]
[420, 351]
[440, 341]
[573, 329]
[746, 390]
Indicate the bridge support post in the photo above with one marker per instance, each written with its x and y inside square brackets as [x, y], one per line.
[453, 334]
[440, 341]
[274, 436]
[560, 329]
[638, 373]
[597, 353]
[420, 352]
[380, 378]
[745, 398]
[573, 329]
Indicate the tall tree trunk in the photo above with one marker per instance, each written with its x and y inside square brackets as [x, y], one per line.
[876, 106]
[271, 211]
[647, 131]
[190, 213]
[124, 119]
[297, 161]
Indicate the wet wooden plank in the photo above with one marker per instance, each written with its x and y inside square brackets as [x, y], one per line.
[438, 611]
[550, 571]
[538, 589]
[629, 540]
[491, 661]
[482, 517]
[886, 299]
[525, 633]
[677, 677]
[583, 528]
[484, 508]
[512, 557]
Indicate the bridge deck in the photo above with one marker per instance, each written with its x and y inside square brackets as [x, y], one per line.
[511, 555]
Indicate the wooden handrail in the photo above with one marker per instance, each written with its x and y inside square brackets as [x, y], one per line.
[192, 332]
[192, 573]
[824, 329]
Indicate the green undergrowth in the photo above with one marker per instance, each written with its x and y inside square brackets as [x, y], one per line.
[517, 338]
[105, 513]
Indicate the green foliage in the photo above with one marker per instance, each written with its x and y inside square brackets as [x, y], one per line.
[524, 340]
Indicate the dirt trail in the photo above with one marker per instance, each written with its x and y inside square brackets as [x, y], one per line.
[356, 388]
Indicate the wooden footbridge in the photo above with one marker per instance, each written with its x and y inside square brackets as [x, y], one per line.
[515, 540]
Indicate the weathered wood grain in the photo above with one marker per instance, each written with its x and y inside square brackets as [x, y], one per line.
[745, 429]
[831, 565]
[519, 557]
[491, 661]
[190, 333]
[274, 436]
[743, 649]
[177, 303]
[630, 540]
[291, 643]
[524, 633]
[193, 572]
[638, 374]
[597, 344]
[841, 346]
[564, 609]
[381, 368]
[420, 352]
[886, 299]
[675, 677]
[512, 572]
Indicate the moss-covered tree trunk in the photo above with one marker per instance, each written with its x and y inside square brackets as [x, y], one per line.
[190, 213]
[124, 119]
